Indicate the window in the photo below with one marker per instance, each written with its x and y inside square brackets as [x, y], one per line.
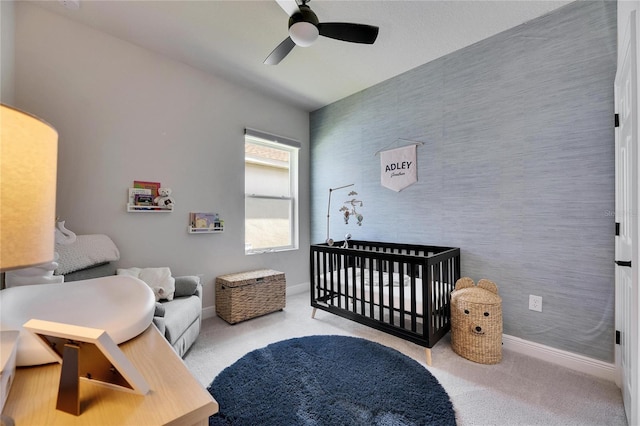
[271, 193]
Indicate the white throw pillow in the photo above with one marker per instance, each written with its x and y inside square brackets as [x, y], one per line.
[159, 279]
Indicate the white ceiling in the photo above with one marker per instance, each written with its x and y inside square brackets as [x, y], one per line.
[232, 38]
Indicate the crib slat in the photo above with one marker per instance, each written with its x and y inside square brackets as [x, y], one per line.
[391, 300]
[361, 279]
[381, 298]
[371, 299]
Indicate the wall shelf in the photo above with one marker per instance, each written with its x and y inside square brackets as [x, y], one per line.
[205, 223]
[132, 208]
[192, 230]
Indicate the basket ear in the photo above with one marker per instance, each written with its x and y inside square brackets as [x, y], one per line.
[464, 282]
[488, 285]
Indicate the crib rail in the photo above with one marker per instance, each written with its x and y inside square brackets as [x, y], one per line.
[401, 289]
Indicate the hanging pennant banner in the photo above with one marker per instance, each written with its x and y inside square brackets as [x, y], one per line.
[398, 168]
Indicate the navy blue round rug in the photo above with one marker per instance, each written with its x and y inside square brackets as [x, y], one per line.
[329, 380]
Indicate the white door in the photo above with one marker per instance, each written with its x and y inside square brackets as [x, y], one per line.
[626, 270]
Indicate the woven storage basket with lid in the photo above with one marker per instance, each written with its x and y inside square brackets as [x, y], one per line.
[247, 295]
[476, 321]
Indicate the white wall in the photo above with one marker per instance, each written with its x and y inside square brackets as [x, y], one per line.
[125, 113]
[625, 7]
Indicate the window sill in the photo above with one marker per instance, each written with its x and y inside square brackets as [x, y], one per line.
[269, 250]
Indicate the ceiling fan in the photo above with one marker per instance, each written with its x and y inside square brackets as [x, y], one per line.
[304, 29]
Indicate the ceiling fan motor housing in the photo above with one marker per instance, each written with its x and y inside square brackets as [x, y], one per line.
[303, 27]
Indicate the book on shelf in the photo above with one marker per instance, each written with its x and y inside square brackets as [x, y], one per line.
[151, 186]
[143, 200]
[134, 191]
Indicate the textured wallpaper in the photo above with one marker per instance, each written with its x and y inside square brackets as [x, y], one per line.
[516, 169]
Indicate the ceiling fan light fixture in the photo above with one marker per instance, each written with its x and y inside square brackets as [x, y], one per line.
[303, 34]
[304, 30]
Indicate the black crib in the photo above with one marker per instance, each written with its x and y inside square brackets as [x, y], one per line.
[401, 289]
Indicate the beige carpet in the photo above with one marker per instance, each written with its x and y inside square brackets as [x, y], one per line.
[518, 391]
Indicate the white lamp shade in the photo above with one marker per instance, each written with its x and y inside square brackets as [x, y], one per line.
[303, 33]
[28, 165]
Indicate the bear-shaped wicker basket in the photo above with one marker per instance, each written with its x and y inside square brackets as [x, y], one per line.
[476, 321]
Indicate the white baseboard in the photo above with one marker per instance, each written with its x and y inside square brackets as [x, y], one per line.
[208, 312]
[594, 367]
[297, 289]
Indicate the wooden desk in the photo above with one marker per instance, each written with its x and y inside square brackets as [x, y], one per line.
[175, 398]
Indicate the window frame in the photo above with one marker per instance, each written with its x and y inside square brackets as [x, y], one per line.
[292, 147]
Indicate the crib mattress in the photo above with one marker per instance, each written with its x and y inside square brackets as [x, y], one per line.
[395, 286]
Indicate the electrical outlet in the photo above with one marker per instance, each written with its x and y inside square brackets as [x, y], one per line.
[535, 303]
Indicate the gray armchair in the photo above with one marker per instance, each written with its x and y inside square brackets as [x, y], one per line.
[179, 320]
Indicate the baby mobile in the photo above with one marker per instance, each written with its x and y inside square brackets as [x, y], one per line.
[348, 212]
[348, 209]
[351, 211]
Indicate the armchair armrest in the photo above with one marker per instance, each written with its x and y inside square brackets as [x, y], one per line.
[187, 286]
[159, 310]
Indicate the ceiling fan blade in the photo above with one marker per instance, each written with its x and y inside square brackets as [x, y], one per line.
[354, 33]
[289, 6]
[280, 52]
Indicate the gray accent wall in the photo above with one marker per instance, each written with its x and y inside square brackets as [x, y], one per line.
[516, 169]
